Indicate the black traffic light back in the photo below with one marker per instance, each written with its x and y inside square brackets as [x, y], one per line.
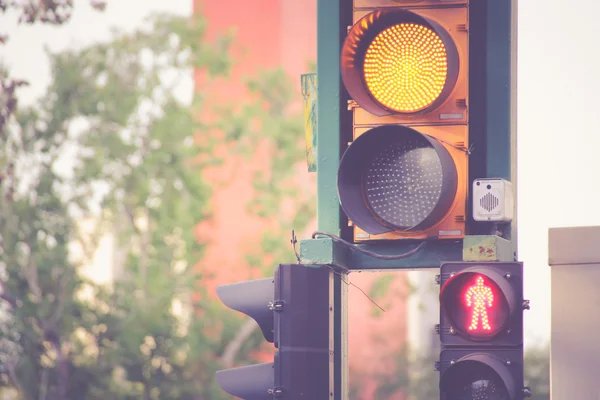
[254, 382]
[292, 310]
[302, 331]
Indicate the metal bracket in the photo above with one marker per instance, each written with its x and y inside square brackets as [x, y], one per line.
[276, 392]
[324, 251]
[276, 306]
[487, 248]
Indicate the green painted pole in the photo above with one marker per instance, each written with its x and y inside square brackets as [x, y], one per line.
[501, 101]
[329, 37]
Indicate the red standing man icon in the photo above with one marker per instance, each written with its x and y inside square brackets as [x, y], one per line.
[479, 297]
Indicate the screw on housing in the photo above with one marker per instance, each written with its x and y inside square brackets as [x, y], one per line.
[275, 306]
[276, 392]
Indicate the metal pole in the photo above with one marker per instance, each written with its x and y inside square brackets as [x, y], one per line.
[328, 155]
[574, 258]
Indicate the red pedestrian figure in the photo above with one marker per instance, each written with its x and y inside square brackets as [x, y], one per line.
[476, 297]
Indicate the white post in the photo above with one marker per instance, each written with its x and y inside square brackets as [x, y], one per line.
[574, 257]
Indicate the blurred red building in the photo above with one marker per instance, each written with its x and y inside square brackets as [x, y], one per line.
[271, 34]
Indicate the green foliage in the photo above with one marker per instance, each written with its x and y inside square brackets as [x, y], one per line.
[537, 372]
[52, 12]
[136, 159]
[381, 286]
[268, 120]
[379, 291]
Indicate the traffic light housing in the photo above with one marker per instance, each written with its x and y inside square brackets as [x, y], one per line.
[292, 311]
[405, 67]
[481, 330]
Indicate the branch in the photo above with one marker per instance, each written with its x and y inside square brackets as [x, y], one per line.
[10, 367]
[62, 297]
[233, 348]
[6, 296]
[32, 278]
[145, 240]
[63, 370]
[44, 384]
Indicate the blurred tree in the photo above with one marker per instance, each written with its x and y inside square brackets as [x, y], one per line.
[537, 372]
[111, 144]
[53, 12]
[284, 197]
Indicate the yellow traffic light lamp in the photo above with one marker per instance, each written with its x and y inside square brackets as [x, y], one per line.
[405, 175]
[399, 62]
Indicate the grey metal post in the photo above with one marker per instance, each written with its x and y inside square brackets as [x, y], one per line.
[574, 258]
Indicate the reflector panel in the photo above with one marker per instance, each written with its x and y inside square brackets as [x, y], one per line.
[404, 182]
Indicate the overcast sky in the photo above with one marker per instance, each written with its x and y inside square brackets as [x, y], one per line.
[558, 114]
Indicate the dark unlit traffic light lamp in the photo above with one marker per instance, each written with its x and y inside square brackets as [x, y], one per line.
[488, 375]
[393, 178]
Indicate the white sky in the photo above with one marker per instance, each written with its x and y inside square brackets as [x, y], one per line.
[557, 106]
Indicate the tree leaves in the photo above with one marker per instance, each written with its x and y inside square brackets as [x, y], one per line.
[111, 105]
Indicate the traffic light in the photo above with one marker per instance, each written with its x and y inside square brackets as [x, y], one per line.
[292, 310]
[481, 330]
[405, 66]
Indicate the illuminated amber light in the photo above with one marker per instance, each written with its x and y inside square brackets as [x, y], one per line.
[406, 67]
[476, 297]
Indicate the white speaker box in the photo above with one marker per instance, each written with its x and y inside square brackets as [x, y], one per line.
[493, 200]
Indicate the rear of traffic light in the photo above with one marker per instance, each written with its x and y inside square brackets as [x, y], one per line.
[481, 330]
[405, 67]
[292, 310]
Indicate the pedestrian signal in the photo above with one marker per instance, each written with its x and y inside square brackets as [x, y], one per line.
[476, 304]
[481, 330]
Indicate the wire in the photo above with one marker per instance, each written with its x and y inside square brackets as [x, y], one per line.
[293, 242]
[370, 253]
[348, 283]
[468, 150]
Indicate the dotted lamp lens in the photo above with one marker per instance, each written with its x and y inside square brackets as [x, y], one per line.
[404, 182]
[482, 389]
[406, 67]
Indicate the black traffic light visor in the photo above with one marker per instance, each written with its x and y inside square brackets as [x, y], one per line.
[249, 383]
[464, 374]
[365, 31]
[395, 178]
[252, 298]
